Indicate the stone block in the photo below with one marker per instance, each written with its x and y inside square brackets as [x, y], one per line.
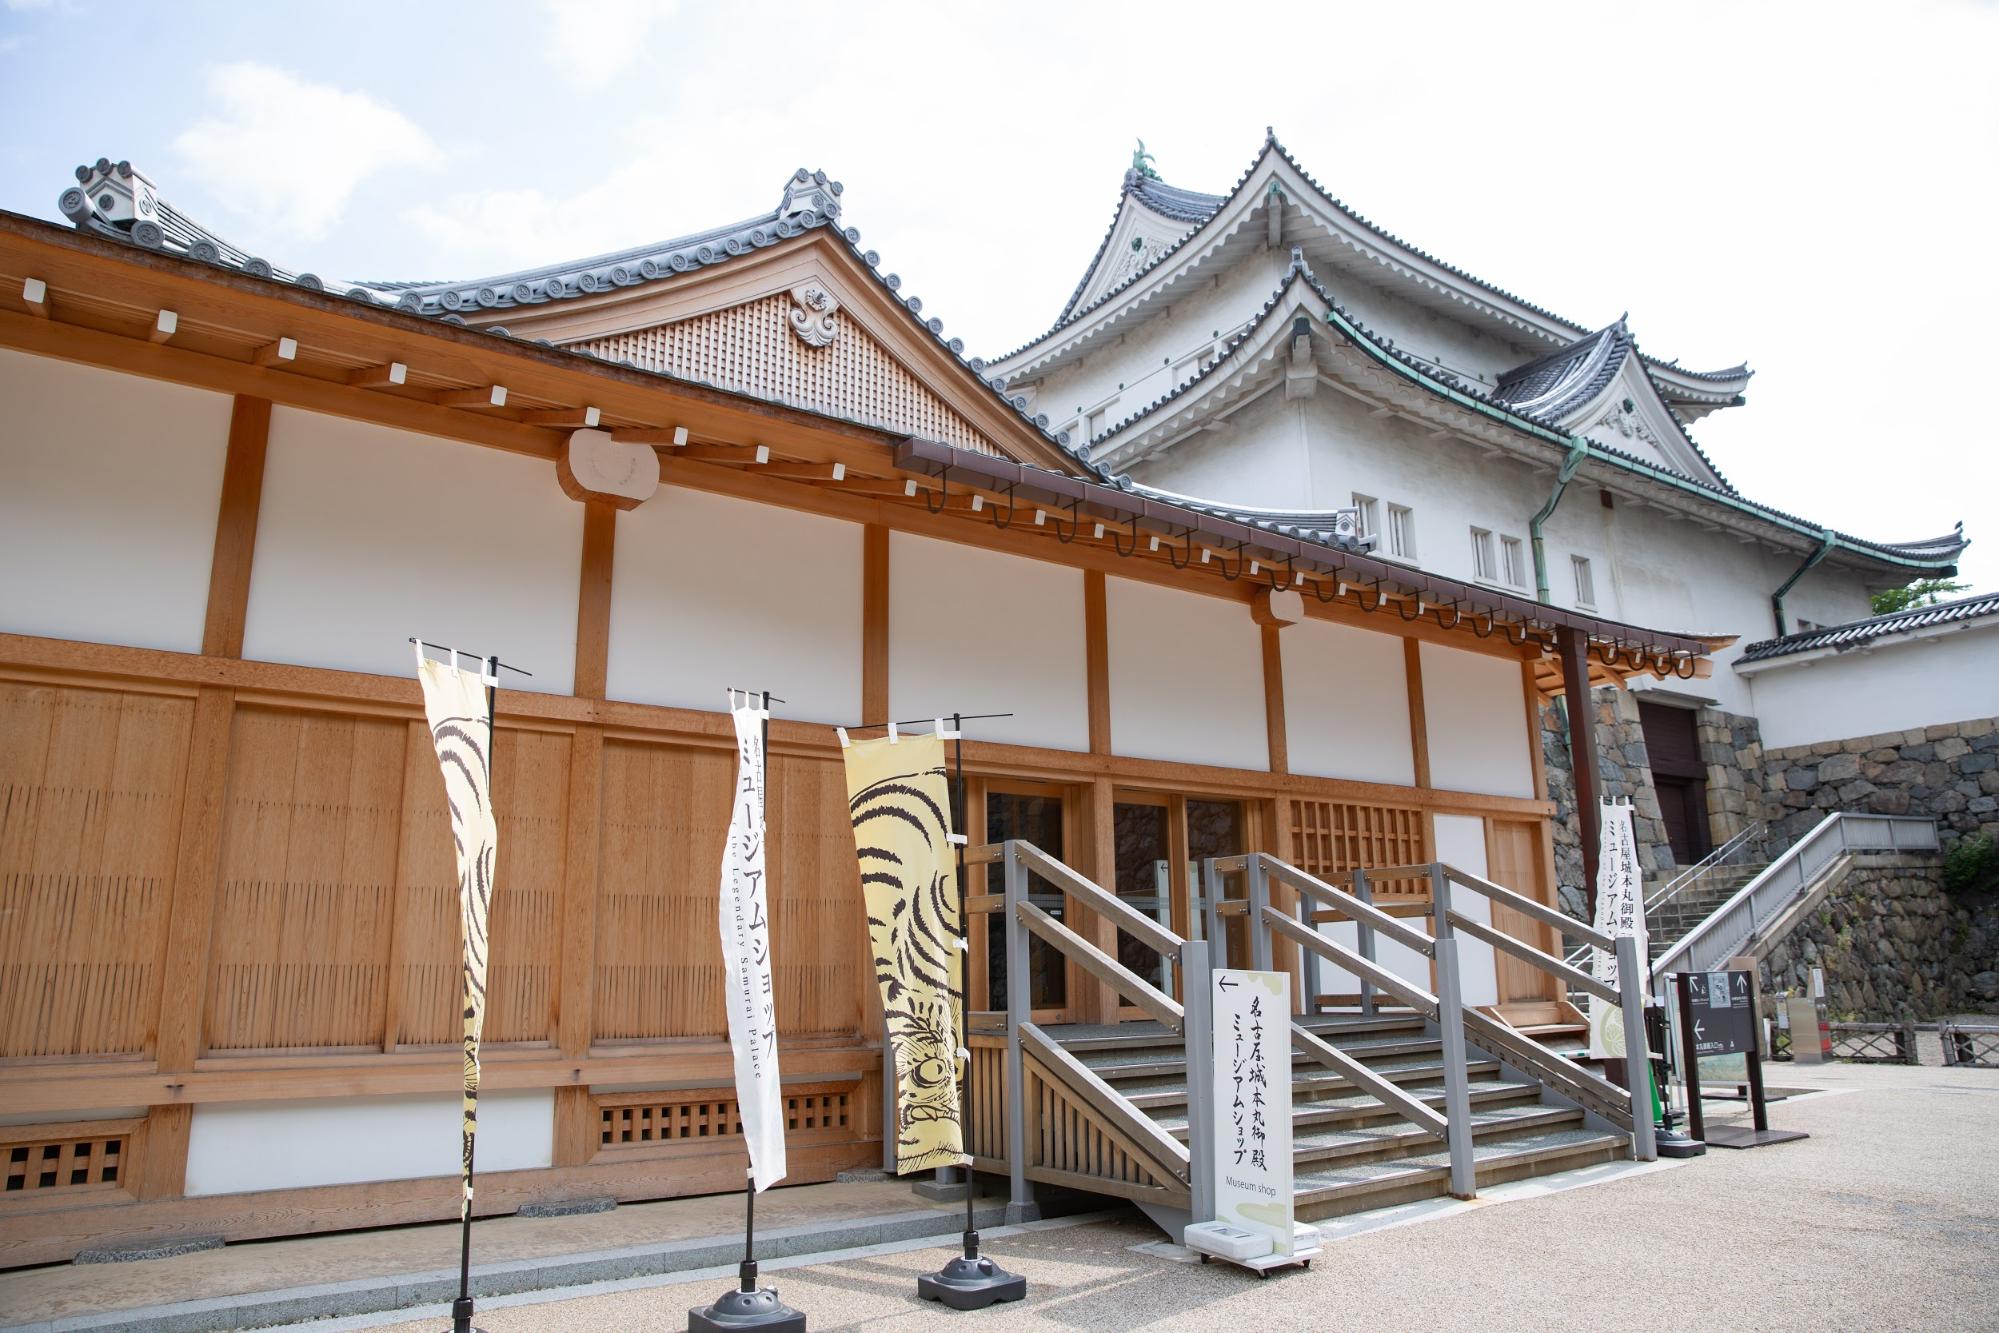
[1951, 747]
[1978, 763]
[1858, 790]
[1840, 768]
[1914, 737]
[1982, 805]
[1938, 731]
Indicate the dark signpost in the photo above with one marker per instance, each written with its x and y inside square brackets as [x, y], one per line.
[1718, 1017]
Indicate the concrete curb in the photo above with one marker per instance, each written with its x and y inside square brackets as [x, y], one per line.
[375, 1295]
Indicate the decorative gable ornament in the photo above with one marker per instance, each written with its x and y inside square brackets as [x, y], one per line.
[813, 308]
[1625, 421]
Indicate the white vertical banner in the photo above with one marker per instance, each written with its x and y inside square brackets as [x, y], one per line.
[1252, 1100]
[745, 923]
[1620, 911]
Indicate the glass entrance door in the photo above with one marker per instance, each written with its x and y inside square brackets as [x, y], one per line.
[1161, 840]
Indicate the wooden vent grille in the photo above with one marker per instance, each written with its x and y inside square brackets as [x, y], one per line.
[650, 1119]
[64, 1164]
[1328, 837]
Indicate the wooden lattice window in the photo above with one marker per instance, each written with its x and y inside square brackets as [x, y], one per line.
[636, 1120]
[42, 1164]
[1331, 837]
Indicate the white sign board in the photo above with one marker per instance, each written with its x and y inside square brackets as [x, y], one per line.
[746, 990]
[1252, 1101]
[1620, 911]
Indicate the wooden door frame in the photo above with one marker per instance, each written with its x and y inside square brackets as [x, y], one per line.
[979, 981]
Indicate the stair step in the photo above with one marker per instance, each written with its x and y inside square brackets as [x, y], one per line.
[1363, 1105]
[1114, 1065]
[1306, 1086]
[1331, 1192]
[1082, 1039]
[1397, 1142]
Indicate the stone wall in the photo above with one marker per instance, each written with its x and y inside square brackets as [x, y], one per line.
[1893, 945]
[1731, 748]
[1948, 772]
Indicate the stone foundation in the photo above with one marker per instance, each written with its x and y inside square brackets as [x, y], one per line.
[1949, 773]
[1893, 946]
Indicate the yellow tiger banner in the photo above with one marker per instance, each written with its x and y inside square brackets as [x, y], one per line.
[461, 729]
[901, 810]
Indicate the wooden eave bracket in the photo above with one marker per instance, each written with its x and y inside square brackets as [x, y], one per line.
[35, 296]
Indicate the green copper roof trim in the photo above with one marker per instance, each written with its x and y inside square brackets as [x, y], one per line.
[1589, 449]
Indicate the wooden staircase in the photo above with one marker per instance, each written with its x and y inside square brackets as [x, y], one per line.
[1350, 1150]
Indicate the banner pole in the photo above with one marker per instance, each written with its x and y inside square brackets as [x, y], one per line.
[461, 1309]
[747, 1273]
[974, 1281]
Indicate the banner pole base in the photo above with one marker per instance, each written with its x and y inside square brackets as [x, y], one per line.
[748, 1306]
[461, 1316]
[971, 1282]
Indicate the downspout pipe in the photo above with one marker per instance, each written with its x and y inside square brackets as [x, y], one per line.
[1578, 451]
[1827, 540]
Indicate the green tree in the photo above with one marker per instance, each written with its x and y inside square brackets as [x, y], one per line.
[1923, 592]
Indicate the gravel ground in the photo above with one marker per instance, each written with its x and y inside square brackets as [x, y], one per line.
[1886, 1218]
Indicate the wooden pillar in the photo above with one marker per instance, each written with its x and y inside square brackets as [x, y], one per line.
[1419, 735]
[1097, 658]
[1574, 652]
[874, 623]
[593, 599]
[236, 527]
[1273, 700]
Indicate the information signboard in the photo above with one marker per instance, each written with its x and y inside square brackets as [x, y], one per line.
[1721, 1013]
[1252, 1104]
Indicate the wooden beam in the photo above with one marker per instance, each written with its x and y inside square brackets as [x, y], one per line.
[1273, 699]
[721, 453]
[181, 1001]
[162, 1154]
[821, 472]
[675, 438]
[389, 374]
[282, 352]
[1530, 695]
[1419, 722]
[874, 622]
[236, 527]
[165, 325]
[492, 395]
[576, 978]
[593, 599]
[1097, 658]
[1573, 652]
[585, 418]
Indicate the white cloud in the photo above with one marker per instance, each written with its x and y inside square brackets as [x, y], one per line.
[592, 44]
[286, 153]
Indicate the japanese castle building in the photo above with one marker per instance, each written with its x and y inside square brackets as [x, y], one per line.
[1284, 539]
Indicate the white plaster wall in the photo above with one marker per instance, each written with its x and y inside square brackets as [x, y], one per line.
[368, 535]
[1346, 703]
[109, 489]
[1398, 958]
[1476, 719]
[236, 1147]
[1461, 843]
[1897, 687]
[1186, 677]
[975, 631]
[710, 592]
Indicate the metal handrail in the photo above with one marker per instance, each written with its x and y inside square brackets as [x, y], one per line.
[1099, 899]
[1527, 907]
[1102, 966]
[1685, 880]
[1414, 996]
[1737, 922]
[1361, 913]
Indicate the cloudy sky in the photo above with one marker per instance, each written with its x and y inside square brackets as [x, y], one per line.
[1811, 187]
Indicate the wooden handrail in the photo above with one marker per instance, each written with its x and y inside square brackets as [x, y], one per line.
[1527, 953]
[986, 853]
[1365, 914]
[1104, 967]
[1399, 872]
[1232, 907]
[1358, 1074]
[1104, 903]
[979, 903]
[1528, 907]
[1104, 1099]
[1420, 1000]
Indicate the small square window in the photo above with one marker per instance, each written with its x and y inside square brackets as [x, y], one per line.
[1401, 532]
[1585, 580]
[1370, 519]
[1512, 561]
[1482, 558]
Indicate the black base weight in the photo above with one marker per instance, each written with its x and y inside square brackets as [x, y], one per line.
[1734, 1136]
[971, 1284]
[746, 1309]
[461, 1316]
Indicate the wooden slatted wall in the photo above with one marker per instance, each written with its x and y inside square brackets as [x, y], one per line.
[1328, 837]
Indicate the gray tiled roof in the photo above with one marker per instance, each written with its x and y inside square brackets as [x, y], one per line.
[811, 201]
[1860, 633]
[1556, 384]
[1934, 551]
